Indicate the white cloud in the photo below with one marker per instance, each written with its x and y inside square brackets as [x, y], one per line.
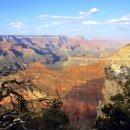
[49, 25]
[58, 23]
[93, 10]
[17, 25]
[43, 26]
[81, 15]
[123, 20]
[59, 17]
[90, 23]
[87, 13]
[60, 20]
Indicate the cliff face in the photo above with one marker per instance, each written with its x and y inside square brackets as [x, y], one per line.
[79, 87]
[116, 77]
[120, 57]
[60, 81]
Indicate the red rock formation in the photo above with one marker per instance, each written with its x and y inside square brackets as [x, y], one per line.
[80, 87]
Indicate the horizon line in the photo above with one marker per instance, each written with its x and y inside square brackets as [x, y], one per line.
[79, 36]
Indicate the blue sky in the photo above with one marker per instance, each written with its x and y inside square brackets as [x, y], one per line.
[89, 18]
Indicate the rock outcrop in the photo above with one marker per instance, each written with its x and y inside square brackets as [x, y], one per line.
[120, 57]
[116, 77]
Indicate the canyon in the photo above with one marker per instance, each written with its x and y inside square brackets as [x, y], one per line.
[70, 68]
[57, 52]
[79, 87]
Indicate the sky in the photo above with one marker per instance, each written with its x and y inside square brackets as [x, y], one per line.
[88, 18]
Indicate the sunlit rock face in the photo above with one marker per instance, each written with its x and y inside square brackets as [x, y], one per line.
[120, 57]
[118, 73]
[116, 76]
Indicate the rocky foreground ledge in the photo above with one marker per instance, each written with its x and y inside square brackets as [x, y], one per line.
[116, 79]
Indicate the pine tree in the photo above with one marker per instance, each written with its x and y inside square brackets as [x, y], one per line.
[117, 112]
